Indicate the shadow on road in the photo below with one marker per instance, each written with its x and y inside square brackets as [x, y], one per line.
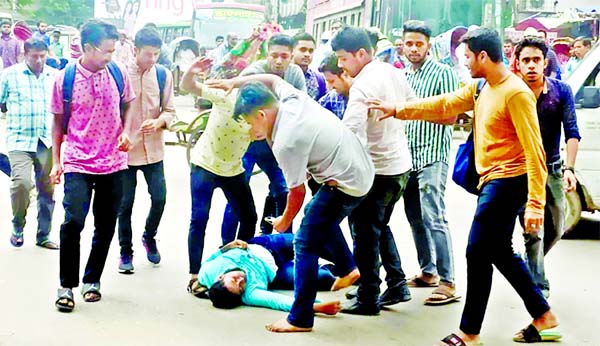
[588, 229]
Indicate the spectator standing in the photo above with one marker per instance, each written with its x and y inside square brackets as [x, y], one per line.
[304, 47]
[339, 83]
[429, 146]
[10, 47]
[56, 47]
[123, 50]
[94, 157]
[26, 88]
[41, 33]
[147, 116]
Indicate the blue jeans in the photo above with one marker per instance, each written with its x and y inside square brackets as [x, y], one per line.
[157, 188]
[373, 237]
[538, 245]
[320, 229]
[281, 246]
[108, 190]
[4, 164]
[426, 213]
[237, 191]
[490, 243]
[260, 153]
[21, 163]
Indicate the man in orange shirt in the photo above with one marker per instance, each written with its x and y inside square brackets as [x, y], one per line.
[510, 160]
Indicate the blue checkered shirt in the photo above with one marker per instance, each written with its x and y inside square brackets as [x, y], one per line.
[27, 98]
[334, 102]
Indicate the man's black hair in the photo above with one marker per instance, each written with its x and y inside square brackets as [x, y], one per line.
[281, 40]
[6, 22]
[40, 22]
[508, 40]
[151, 26]
[417, 26]
[484, 39]
[586, 41]
[219, 38]
[531, 41]
[94, 31]
[147, 37]
[303, 36]
[351, 39]
[330, 64]
[252, 96]
[34, 44]
[221, 298]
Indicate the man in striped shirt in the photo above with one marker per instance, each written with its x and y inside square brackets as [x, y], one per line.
[429, 146]
[26, 88]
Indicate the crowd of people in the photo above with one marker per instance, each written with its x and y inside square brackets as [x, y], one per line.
[309, 115]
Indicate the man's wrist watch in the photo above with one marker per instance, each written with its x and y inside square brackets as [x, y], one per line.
[568, 168]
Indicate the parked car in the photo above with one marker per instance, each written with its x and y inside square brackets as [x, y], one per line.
[587, 170]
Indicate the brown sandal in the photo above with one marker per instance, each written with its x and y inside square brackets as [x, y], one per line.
[444, 294]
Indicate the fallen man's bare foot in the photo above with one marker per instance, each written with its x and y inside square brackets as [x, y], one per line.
[283, 326]
[329, 308]
[346, 281]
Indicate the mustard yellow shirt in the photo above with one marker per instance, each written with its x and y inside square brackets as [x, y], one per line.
[507, 135]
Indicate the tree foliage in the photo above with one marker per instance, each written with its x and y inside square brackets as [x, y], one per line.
[67, 12]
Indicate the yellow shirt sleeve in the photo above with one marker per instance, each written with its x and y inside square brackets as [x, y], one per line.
[441, 107]
[522, 107]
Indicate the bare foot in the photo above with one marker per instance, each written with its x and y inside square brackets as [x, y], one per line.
[546, 321]
[283, 326]
[346, 281]
[328, 308]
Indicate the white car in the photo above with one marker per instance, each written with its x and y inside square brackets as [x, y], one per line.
[587, 168]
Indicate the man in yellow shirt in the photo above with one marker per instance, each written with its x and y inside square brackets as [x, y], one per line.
[510, 160]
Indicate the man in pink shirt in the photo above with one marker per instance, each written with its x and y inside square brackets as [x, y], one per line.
[94, 157]
[146, 118]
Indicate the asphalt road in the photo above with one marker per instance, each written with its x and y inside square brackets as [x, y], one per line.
[152, 306]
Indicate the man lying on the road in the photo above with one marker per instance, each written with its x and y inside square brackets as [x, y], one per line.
[244, 273]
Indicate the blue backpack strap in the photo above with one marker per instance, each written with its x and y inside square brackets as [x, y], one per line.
[161, 76]
[480, 84]
[117, 75]
[68, 82]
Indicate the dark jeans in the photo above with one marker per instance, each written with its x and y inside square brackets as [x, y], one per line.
[320, 229]
[490, 243]
[157, 188]
[237, 191]
[373, 237]
[76, 202]
[4, 164]
[260, 153]
[281, 246]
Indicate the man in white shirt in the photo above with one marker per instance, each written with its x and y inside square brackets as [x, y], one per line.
[388, 147]
[308, 139]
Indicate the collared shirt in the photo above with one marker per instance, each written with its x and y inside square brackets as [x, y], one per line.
[308, 138]
[91, 143]
[10, 49]
[507, 139]
[385, 140]
[147, 148]
[334, 102]
[315, 84]
[27, 98]
[56, 48]
[555, 107]
[37, 35]
[260, 269]
[224, 142]
[429, 142]
[292, 75]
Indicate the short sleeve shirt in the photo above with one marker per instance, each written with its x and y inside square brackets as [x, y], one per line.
[91, 143]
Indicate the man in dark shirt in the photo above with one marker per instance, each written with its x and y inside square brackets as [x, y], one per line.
[555, 108]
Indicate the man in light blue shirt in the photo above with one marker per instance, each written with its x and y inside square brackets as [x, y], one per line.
[243, 273]
[26, 88]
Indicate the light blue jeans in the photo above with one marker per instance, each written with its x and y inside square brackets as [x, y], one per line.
[538, 245]
[426, 213]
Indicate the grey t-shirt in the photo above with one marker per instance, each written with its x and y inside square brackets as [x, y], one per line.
[292, 75]
[307, 138]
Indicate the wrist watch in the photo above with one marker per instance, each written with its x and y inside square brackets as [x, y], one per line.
[568, 168]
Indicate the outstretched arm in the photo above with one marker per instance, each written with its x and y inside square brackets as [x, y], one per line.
[270, 80]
